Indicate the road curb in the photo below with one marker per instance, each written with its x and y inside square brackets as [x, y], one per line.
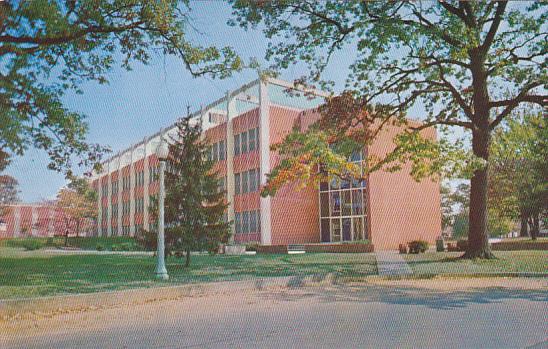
[462, 275]
[42, 306]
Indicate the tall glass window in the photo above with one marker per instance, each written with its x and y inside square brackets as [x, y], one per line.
[342, 208]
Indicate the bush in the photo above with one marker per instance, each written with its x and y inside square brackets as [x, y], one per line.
[100, 247]
[124, 246]
[439, 245]
[252, 246]
[418, 246]
[49, 242]
[147, 240]
[462, 245]
[403, 248]
[31, 244]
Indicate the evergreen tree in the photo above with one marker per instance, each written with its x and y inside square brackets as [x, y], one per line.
[194, 203]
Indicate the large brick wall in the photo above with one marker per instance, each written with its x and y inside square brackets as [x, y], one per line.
[401, 209]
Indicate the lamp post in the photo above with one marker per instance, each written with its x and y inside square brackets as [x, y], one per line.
[161, 152]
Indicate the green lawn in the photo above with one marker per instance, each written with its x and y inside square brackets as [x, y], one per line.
[507, 261]
[39, 273]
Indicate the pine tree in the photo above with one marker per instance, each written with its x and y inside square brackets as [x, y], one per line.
[194, 204]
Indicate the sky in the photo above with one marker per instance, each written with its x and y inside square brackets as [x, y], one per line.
[139, 102]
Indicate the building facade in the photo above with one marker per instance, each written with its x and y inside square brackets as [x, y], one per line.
[39, 220]
[388, 208]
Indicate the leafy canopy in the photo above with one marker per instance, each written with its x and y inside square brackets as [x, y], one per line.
[467, 64]
[50, 46]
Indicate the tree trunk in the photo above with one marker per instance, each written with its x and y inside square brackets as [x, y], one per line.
[187, 261]
[523, 232]
[535, 227]
[478, 237]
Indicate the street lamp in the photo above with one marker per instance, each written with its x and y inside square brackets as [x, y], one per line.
[161, 152]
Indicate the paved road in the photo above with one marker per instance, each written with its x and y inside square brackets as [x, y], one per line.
[396, 315]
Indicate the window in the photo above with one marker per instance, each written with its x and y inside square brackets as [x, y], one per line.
[245, 181]
[215, 152]
[335, 229]
[237, 183]
[238, 222]
[222, 150]
[251, 136]
[237, 145]
[245, 222]
[253, 222]
[243, 142]
[346, 203]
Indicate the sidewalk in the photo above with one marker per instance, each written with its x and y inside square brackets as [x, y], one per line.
[391, 263]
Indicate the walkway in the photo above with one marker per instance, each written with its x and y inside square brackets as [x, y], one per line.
[390, 263]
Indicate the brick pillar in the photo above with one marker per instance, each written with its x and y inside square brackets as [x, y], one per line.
[131, 194]
[145, 187]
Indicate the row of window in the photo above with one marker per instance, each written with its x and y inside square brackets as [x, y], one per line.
[246, 141]
[217, 151]
[247, 181]
[247, 222]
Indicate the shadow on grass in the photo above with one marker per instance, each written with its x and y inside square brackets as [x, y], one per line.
[433, 299]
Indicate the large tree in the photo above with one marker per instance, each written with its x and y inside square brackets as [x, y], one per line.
[194, 203]
[468, 64]
[78, 203]
[50, 46]
[518, 182]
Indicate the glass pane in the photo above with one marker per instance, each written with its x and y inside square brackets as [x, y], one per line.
[252, 222]
[237, 145]
[324, 203]
[222, 150]
[334, 183]
[357, 228]
[238, 222]
[324, 186]
[245, 188]
[335, 230]
[251, 139]
[335, 204]
[346, 204]
[237, 183]
[257, 137]
[215, 151]
[243, 142]
[245, 222]
[357, 204]
[325, 230]
[346, 229]
[252, 181]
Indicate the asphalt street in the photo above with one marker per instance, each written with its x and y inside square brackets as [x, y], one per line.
[370, 316]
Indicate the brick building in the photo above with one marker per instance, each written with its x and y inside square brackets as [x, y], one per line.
[38, 220]
[388, 208]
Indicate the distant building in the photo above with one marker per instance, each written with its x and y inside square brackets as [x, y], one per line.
[37, 220]
[388, 208]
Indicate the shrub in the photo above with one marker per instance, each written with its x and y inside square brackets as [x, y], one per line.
[439, 245]
[31, 244]
[403, 248]
[252, 246]
[418, 246]
[49, 242]
[124, 246]
[147, 240]
[100, 247]
[462, 245]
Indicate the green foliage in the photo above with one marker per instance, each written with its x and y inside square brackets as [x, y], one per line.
[147, 239]
[518, 182]
[418, 246]
[125, 246]
[32, 244]
[50, 47]
[460, 225]
[194, 205]
[100, 247]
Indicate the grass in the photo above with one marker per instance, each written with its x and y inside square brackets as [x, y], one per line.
[39, 273]
[507, 261]
[84, 243]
